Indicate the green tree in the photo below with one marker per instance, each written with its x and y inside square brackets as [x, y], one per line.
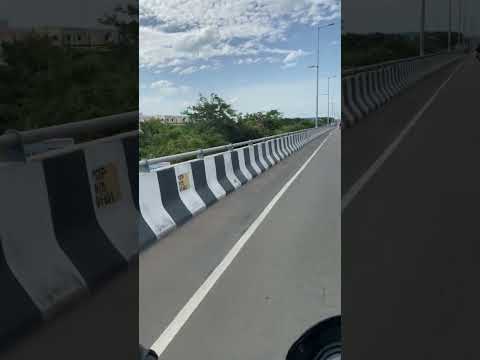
[260, 124]
[158, 139]
[212, 122]
[125, 20]
[214, 114]
[46, 85]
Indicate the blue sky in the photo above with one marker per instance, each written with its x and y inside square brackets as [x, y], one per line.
[253, 53]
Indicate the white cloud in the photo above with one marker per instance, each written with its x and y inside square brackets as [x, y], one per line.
[167, 88]
[294, 55]
[194, 68]
[177, 33]
[161, 84]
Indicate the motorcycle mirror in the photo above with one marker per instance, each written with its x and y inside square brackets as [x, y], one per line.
[320, 342]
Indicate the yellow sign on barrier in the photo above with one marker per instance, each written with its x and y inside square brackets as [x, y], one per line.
[107, 187]
[183, 182]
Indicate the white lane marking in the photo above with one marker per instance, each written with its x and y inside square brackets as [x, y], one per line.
[182, 317]
[365, 178]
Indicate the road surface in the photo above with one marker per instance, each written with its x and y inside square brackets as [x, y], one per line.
[285, 279]
[410, 242]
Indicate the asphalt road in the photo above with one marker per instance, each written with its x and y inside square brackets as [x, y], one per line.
[410, 240]
[285, 279]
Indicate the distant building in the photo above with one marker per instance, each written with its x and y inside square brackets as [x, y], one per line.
[78, 37]
[61, 36]
[173, 119]
[166, 119]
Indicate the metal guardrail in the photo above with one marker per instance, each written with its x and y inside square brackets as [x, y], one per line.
[70, 129]
[146, 164]
[14, 141]
[372, 67]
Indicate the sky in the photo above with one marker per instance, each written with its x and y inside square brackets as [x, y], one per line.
[253, 53]
[391, 16]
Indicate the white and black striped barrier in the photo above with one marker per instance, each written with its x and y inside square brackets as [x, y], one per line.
[368, 88]
[74, 217]
[69, 222]
[170, 196]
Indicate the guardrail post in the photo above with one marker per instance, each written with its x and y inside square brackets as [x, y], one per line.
[200, 154]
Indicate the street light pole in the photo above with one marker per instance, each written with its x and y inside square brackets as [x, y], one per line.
[328, 95]
[318, 68]
[449, 25]
[465, 22]
[422, 29]
[459, 23]
[328, 99]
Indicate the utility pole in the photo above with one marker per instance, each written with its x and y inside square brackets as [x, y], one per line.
[449, 25]
[459, 22]
[465, 19]
[318, 66]
[328, 100]
[328, 96]
[422, 29]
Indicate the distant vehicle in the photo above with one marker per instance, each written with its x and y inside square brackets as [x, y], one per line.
[321, 342]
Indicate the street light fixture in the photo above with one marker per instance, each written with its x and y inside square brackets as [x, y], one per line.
[318, 66]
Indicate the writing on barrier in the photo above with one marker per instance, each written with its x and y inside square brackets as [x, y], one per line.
[106, 184]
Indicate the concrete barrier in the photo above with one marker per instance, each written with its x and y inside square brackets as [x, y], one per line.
[243, 164]
[212, 179]
[273, 151]
[170, 196]
[367, 90]
[279, 149]
[151, 206]
[69, 222]
[222, 177]
[262, 156]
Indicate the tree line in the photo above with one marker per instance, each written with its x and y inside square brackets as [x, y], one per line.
[45, 85]
[213, 122]
[385, 47]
